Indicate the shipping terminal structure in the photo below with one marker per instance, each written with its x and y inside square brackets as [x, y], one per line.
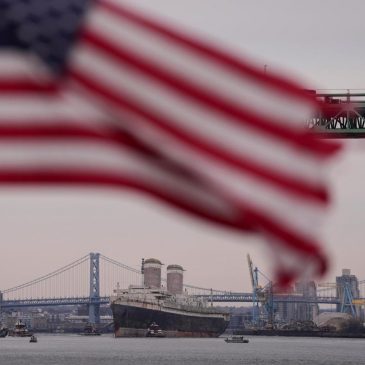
[176, 313]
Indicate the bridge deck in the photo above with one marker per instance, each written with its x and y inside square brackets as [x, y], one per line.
[217, 298]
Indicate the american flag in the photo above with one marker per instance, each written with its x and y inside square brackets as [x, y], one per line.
[97, 93]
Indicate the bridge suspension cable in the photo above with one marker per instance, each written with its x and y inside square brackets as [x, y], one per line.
[113, 273]
[39, 288]
[123, 266]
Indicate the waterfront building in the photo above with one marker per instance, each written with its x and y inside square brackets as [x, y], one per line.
[306, 311]
[284, 311]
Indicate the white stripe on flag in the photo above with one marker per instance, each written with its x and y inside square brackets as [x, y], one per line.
[203, 123]
[178, 59]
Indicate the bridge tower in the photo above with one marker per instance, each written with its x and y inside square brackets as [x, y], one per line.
[94, 305]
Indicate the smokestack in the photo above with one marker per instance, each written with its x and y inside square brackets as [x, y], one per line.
[175, 279]
[152, 273]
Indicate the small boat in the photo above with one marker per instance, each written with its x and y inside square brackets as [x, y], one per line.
[90, 330]
[154, 330]
[3, 332]
[20, 330]
[33, 339]
[236, 339]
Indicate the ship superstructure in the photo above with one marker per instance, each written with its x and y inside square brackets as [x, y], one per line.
[20, 330]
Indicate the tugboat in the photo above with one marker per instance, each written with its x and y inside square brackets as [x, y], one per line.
[20, 330]
[154, 330]
[3, 332]
[33, 339]
[90, 330]
[236, 339]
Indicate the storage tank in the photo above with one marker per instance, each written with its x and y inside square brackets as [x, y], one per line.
[175, 281]
[152, 273]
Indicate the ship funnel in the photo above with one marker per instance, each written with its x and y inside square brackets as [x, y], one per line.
[152, 273]
[175, 279]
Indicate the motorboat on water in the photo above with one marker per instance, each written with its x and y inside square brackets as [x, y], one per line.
[3, 332]
[20, 330]
[154, 330]
[90, 330]
[236, 339]
[33, 339]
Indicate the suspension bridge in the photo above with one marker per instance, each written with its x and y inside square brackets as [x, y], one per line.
[91, 280]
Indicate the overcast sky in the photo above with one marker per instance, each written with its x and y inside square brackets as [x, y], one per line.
[321, 43]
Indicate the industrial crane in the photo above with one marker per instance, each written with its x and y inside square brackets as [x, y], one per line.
[260, 295]
[254, 283]
[348, 302]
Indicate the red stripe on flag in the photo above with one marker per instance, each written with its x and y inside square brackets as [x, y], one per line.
[197, 94]
[59, 131]
[14, 86]
[202, 48]
[95, 179]
[248, 219]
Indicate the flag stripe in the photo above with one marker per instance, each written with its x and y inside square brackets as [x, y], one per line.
[263, 198]
[88, 178]
[207, 98]
[74, 162]
[240, 139]
[255, 155]
[61, 130]
[210, 52]
[57, 133]
[92, 157]
[241, 222]
[271, 204]
[170, 56]
[287, 183]
[19, 86]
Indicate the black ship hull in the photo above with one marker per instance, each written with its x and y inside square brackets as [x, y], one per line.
[19, 334]
[133, 321]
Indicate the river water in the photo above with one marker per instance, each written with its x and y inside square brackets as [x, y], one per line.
[102, 350]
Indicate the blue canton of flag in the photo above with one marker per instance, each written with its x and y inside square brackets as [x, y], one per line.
[45, 28]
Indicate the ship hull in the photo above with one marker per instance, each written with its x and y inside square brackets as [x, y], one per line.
[133, 321]
[17, 334]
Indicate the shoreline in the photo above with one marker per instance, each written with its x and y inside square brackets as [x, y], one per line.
[295, 333]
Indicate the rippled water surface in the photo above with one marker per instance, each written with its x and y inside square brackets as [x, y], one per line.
[73, 349]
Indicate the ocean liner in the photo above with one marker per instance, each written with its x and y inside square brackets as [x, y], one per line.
[177, 314]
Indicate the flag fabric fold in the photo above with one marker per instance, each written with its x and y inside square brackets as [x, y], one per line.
[96, 93]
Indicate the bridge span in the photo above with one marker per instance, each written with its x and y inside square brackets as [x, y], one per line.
[248, 298]
[91, 280]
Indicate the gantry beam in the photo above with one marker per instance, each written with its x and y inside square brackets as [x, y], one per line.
[53, 302]
[342, 115]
